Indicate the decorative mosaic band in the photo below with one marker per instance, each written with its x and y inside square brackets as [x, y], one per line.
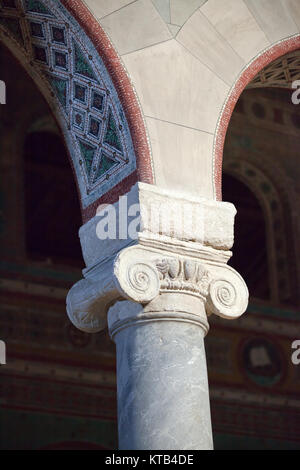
[126, 93]
[88, 90]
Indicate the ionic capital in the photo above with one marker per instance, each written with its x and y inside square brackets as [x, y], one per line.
[182, 248]
[142, 274]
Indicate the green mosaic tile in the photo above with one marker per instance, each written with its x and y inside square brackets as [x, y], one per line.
[37, 7]
[87, 153]
[81, 64]
[112, 135]
[105, 165]
[55, 45]
[14, 28]
[60, 87]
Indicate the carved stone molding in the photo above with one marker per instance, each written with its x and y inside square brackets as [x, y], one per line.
[181, 252]
[183, 222]
[183, 275]
[141, 274]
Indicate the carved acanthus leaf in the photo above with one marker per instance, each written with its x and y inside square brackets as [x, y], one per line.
[183, 275]
[137, 274]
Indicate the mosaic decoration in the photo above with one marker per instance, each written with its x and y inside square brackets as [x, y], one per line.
[86, 102]
[280, 73]
[262, 362]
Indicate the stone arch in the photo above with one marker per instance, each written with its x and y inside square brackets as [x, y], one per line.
[184, 59]
[68, 55]
[248, 74]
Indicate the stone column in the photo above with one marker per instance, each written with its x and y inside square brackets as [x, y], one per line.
[163, 399]
[157, 293]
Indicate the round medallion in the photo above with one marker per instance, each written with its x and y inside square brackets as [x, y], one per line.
[262, 362]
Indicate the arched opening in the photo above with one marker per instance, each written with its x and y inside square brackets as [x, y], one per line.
[250, 254]
[41, 211]
[48, 386]
[64, 49]
[261, 151]
[261, 178]
[52, 222]
[279, 58]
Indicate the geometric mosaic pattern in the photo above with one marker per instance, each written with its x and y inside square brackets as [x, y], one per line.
[280, 73]
[99, 140]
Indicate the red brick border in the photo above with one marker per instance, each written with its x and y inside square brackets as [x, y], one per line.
[247, 75]
[126, 95]
[111, 196]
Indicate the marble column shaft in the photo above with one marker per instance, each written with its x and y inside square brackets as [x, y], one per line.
[163, 398]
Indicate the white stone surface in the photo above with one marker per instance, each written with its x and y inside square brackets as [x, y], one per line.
[216, 221]
[180, 281]
[181, 157]
[174, 86]
[185, 81]
[182, 216]
[182, 245]
[294, 7]
[174, 29]
[233, 20]
[228, 295]
[121, 311]
[163, 7]
[200, 37]
[102, 8]
[136, 26]
[95, 250]
[274, 17]
[161, 369]
[135, 277]
[87, 301]
[181, 10]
